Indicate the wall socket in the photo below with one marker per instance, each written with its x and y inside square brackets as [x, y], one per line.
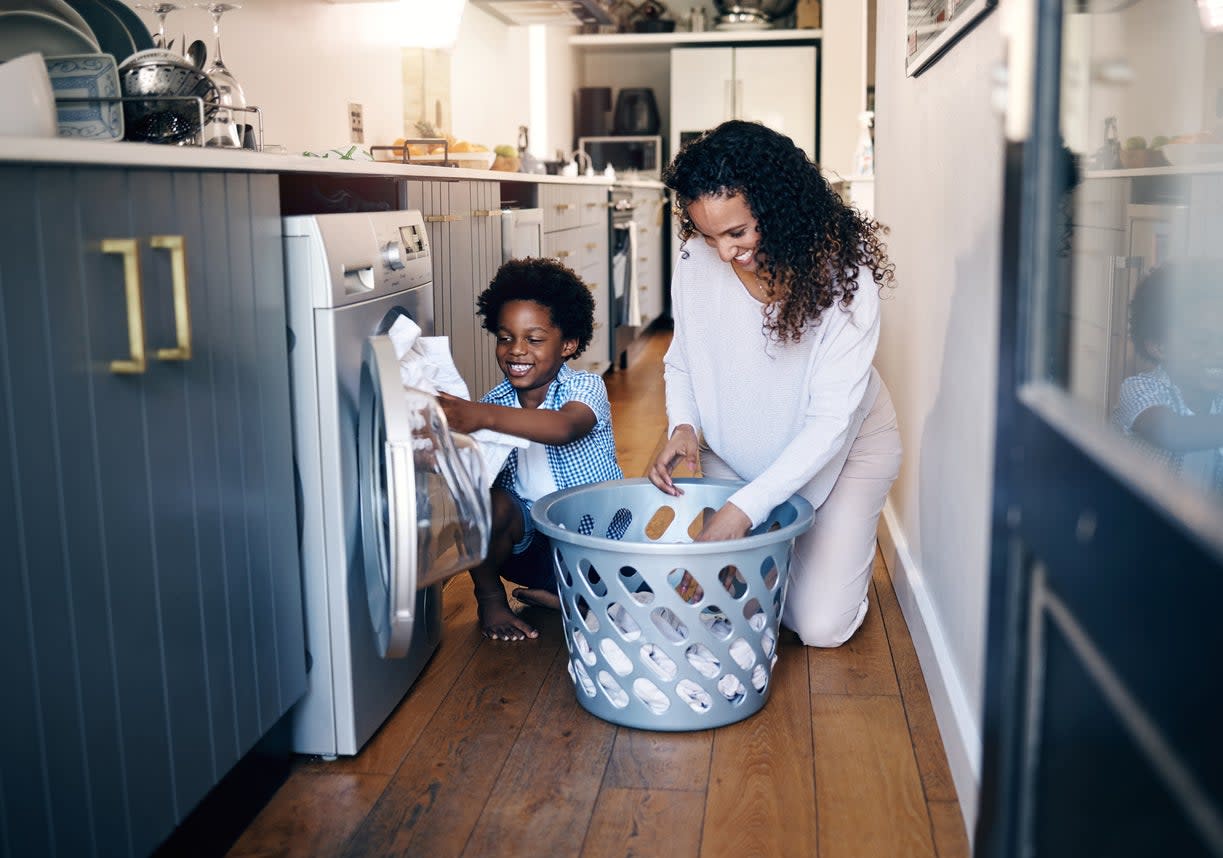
[356, 123]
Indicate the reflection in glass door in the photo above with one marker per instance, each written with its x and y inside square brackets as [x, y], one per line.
[1102, 696]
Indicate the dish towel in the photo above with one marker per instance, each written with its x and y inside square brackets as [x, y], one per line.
[426, 364]
[634, 294]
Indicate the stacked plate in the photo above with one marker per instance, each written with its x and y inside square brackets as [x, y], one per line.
[82, 42]
[56, 28]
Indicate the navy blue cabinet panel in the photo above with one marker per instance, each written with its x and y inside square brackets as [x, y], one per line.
[150, 604]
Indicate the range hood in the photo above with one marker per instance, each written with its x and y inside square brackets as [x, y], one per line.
[555, 12]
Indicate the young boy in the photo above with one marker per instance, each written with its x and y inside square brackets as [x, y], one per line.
[542, 315]
[1174, 411]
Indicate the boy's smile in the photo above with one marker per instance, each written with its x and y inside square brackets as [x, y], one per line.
[530, 349]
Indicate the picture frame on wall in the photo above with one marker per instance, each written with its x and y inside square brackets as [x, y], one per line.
[935, 25]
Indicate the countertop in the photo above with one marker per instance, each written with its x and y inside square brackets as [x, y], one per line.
[124, 154]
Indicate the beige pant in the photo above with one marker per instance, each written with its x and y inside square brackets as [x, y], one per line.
[830, 569]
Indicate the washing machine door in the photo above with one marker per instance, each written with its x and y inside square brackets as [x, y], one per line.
[425, 515]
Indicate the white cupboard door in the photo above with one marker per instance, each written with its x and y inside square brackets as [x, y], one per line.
[702, 90]
[776, 86]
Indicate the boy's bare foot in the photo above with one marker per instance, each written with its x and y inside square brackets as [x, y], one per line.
[537, 597]
[500, 623]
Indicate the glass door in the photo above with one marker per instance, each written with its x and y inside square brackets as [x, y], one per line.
[425, 512]
[1102, 684]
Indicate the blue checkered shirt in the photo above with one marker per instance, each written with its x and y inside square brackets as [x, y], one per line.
[1154, 388]
[589, 459]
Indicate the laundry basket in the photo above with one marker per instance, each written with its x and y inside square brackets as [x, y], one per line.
[665, 633]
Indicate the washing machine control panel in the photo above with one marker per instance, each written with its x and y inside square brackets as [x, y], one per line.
[403, 245]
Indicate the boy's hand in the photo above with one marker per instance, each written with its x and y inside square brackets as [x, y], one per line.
[462, 415]
[729, 522]
[681, 445]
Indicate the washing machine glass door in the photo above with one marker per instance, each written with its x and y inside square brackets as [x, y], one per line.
[424, 512]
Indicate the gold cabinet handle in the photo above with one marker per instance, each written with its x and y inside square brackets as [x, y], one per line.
[128, 249]
[563, 207]
[182, 304]
[643, 259]
[562, 254]
[442, 218]
[486, 213]
[598, 325]
[595, 205]
[591, 245]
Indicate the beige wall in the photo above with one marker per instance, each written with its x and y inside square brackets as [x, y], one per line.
[938, 166]
[303, 62]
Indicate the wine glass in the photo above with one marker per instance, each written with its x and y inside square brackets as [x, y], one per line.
[225, 129]
[161, 10]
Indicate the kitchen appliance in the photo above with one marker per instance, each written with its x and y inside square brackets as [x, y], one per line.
[385, 506]
[591, 105]
[643, 154]
[621, 250]
[636, 112]
[751, 14]
[522, 233]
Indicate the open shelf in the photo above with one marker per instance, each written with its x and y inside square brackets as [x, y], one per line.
[708, 37]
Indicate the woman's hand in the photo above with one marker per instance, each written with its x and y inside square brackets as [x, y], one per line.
[729, 522]
[681, 445]
[462, 415]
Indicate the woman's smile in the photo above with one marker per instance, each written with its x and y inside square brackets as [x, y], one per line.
[729, 227]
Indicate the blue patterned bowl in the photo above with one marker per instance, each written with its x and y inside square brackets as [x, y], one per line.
[81, 82]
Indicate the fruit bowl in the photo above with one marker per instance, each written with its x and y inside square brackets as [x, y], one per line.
[1191, 154]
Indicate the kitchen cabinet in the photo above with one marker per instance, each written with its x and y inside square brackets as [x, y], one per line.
[463, 221]
[150, 606]
[576, 234]
[652, 218]
[775, 85]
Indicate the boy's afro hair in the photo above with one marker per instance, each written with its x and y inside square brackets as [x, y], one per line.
[549, 284]
[1167, 293]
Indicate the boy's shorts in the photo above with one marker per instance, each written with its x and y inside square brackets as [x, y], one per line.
[530, 564]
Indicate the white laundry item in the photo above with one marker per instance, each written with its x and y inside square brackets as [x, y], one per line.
[427, 364]
[634, 294]
[703, 659]
[649, 694]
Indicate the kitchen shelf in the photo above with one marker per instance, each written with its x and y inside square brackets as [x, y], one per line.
[708, 37]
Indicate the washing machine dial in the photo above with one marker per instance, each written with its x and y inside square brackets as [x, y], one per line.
[392, 255]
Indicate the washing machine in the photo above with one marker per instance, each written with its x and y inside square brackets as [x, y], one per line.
[388, 503]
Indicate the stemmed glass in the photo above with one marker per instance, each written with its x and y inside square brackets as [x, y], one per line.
[161, 10]
[225, 129]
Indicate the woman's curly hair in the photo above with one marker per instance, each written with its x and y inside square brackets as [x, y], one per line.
[812, 243]
[549, 284]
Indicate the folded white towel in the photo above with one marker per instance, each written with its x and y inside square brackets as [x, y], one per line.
[427, 364]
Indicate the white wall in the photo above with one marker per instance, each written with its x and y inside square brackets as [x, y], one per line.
[488, 80]
[939, 171]
[303, 61]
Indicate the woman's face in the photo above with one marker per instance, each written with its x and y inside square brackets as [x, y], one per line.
[530, 349]
[729, 227]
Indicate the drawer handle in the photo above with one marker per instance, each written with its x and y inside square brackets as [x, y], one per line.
[591, 245]
[442, 218]
[563, 207]
[486, 213]
[182, 304]
[127, 248]
[643, 259]
[562, 254]
[598, 325]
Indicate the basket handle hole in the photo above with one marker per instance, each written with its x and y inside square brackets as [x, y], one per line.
[698, 523]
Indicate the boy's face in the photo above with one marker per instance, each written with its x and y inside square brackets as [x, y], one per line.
[1193, 354]
[530, 349]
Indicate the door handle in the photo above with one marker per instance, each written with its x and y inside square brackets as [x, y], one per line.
[182, 305]
[129, 250]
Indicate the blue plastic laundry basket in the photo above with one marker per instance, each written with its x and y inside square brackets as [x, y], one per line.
[664, 633]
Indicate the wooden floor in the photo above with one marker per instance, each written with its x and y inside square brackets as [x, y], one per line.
[490, 755]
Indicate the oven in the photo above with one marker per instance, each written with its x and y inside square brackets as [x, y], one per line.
[626, 316]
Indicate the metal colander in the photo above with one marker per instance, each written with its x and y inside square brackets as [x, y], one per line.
[161, 91]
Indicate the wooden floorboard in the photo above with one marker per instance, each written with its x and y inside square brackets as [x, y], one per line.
[490, 755]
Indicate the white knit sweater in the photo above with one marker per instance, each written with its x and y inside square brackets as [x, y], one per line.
[782, 416]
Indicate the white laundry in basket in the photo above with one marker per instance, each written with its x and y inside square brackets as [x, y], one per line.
[427, 364]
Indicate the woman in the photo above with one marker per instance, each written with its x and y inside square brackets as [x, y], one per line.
[769, 376]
